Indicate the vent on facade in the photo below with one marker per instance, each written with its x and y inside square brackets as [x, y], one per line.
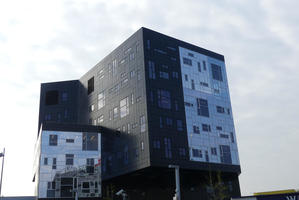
[51, 97]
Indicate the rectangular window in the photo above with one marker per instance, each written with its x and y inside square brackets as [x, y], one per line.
[220, 109]
[91, 108]
[151, 70]
[151, 96]
[186, 77]
[69, 159]
[228, 111]
[164, 75]
[132, 73]
[161, 122]
[90, 142]
[192, 85]
[219, 128]
[164, 100]
[197, 153]
[175, 75]
[90, 85]
[191, 54]
[54, 166]
[168, 122]
[204, 84]
[148, 44]
[64, 96]
[124, 128]
[138, 75]
[207, 156]
[187, 61]
[100, 119]
[69, 140]
[206, 127]
[224, 136]
[132, 56]
[176, 105]
[45, 161]
[167, 145]
[114, 68]
[214, 151]
[132, 98]
[128, 128]
[182, 152]
[138, 99]
[110, 114]
[101, 100]
[156, 144]
[115, 112]
[202, 107]
[225, 155]
[204, 65]
[216, 72]
[232, 137]
[53, 140]
[199, 67]
[179, 125]
[124, 107]
[142, 124]
[196, 129]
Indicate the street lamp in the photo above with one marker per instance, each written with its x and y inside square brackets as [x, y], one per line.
[177, 182]
[2, 155]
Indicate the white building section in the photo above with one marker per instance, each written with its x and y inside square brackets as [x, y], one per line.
[210, 126]
[68, 163]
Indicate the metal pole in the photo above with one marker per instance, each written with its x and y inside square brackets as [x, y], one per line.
[177, 181]
[3, 154]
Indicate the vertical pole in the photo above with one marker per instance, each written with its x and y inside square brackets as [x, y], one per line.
[2, 171]
[177, 181]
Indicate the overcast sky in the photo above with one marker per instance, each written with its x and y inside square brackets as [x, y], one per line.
[46, 41]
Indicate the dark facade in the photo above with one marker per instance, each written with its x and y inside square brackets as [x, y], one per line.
[139, 91]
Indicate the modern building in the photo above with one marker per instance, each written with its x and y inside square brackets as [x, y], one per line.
[67, 161]
[170, 102]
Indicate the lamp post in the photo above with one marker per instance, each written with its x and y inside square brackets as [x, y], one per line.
[2, 155]
[177, 182]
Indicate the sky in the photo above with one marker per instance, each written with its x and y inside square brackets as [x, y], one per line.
[53, 40]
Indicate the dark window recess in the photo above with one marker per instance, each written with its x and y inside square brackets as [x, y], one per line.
[206, 127]
[90, 85]
[176, 105]
[191, 54]
[228, 111]
[164, 75]
[151, 70]
[156, 144]
[52, 97]
[179, 124]
[90, 165]
[225, 155]
[207, 156]
[219, 128]
[204, 65]
[187, 61]
[70, 140]
[182, 152]
[199, 67]
[214, 151]
[186, 77]
[175, 75]
[90, 142]
[148, 44]
[167, 143]
[164, 100]
[216, 72]
[168, 122]
[161, 122]
[192, 85]
[64, 96]
[232, 137]
[69, 159]
[188, 104]
[197, 153]
[45, 161]
[54, 163]
[224, 136]
[53, 140]
[202, 107]
[204, 84]
[196, 129]
[151, 96]
[220, 109]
